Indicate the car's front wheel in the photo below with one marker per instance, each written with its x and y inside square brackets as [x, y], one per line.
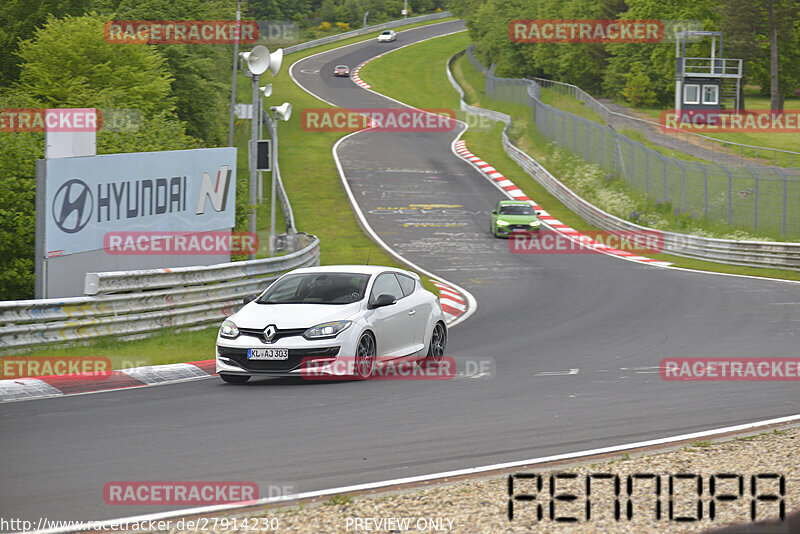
[366, 354]
[437, 344]
[234, 379]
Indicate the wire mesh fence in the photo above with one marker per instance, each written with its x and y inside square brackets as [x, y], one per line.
[754, 198]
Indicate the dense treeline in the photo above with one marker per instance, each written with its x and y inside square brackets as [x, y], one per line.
[351, 12]
[53, 54]
[639, 73]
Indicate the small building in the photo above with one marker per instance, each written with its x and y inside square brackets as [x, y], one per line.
[705, 86]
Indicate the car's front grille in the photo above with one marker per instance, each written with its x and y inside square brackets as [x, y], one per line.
[519, 227]
[279, 334]
[296, 357]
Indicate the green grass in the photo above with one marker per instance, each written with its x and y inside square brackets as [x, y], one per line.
[486, 142]
[781, 141]
[165, 346]
[568, 103]
[318, 200]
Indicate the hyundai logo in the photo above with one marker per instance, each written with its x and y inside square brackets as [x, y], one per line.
[269, 333]
[72, 206]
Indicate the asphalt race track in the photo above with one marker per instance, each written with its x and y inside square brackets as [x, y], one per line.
[538, 317]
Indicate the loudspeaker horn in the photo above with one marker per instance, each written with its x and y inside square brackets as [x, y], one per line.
[275, 60]
[258, 60]
[267, 90]
[284, 111]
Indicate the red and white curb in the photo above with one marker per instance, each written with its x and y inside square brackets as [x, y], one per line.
[515, 193]
[357, 79]
[57, 386]
[453, 303]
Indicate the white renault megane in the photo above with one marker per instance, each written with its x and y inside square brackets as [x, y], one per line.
[322, 316]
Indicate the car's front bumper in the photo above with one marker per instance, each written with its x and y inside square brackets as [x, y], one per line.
[231, 354]
[516, 229]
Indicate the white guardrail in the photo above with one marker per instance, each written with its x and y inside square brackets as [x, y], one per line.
[133, 302]
[778, 255]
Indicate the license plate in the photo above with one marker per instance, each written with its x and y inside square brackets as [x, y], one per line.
[267, 354]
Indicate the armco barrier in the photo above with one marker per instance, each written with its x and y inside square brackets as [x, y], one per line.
[132, 302]
[362, 31]
[748, 253]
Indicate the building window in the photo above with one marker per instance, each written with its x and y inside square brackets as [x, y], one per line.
[691, 94]
[710, 94]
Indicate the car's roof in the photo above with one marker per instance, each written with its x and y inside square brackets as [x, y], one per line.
[338, 66]
[515, 202]
[388, 31]
[358, 269]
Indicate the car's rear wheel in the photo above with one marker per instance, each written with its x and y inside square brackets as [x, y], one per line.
[366, 354]
[437, 344]
[234, 379]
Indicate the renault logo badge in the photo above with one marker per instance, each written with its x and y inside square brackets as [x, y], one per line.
[269, 333]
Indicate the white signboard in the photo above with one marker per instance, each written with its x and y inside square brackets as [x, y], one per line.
[183, 190]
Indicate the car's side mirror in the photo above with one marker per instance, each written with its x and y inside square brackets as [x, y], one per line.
[249, 298]
[538, 213]
[494, 212]
[383, 300]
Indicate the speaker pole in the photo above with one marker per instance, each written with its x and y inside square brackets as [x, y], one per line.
[235, 68]
[273, 132]
[260, 179]
[253, 155]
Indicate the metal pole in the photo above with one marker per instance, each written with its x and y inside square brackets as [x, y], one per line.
[253, 140]
[260, 181]
[235, 69]
[273, 128]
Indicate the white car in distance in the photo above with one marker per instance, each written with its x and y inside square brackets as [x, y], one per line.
[324, 316]
[387, 36]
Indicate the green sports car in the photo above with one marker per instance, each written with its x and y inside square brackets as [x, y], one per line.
[514, 216]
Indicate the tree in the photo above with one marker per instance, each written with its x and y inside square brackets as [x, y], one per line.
[19, 19]
[765, 34]
[200, 72]
[68, 63]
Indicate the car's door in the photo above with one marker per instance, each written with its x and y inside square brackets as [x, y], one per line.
[418, 304]
[393, 324]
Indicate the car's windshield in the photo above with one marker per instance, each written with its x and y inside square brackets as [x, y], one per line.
[341, 66]
[517, 209]
[317, 288]
[387, 32]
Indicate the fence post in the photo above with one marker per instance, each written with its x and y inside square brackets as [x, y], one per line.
[588, 141]
[683, 186]
[730, 193]
[574, 134]
[603, 146]
[755, 207]
[647, 173]
[631, 171]
[705, 188]
[785, 195]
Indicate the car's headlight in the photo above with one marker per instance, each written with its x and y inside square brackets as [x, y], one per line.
[501, 222]
[536, 223]
[228, 329]
[331, 329]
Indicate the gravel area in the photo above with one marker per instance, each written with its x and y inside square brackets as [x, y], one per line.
[481, 505]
